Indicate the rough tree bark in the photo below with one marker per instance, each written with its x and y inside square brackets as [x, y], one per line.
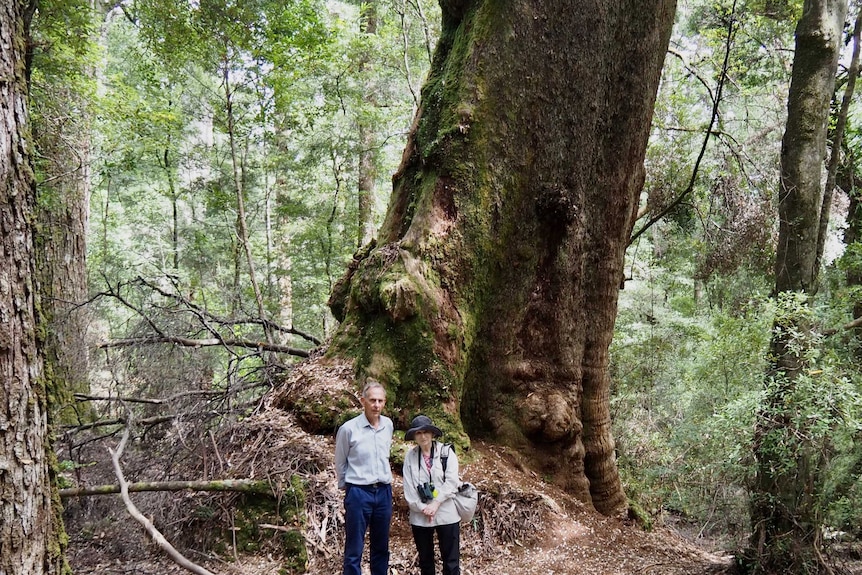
[803, 148]
[490, 298]
[30, 528]
[63, 208]
[785, 521]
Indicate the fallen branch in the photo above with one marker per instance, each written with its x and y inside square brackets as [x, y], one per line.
[157, 419]
[206, 342]
[847, 326]
[160, 540]
[170, 399]
[120, 421]
[238, 485]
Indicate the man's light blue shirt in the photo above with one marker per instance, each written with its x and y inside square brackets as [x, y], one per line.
[362, 452]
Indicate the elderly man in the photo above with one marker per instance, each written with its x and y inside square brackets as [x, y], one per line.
[362, 467]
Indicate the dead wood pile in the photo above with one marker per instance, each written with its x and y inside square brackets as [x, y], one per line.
[271, 446]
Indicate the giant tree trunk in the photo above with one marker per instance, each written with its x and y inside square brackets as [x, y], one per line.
[29, 527]
[490, 300]
[785, 514]
[63, 213]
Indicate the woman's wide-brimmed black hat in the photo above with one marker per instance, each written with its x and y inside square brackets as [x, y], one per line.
[422, 423]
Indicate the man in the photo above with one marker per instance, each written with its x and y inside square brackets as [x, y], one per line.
[362, 467]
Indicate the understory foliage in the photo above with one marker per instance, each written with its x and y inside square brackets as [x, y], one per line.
[689, 385]
[686, 392]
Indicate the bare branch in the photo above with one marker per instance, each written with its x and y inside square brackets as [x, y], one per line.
[170, 399]
[160, 540]
[206, 316]
[238, 485]
[731, 29]
[847, 326]
[189, 342]
[120, 421]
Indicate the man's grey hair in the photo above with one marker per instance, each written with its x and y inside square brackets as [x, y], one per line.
[371, 384]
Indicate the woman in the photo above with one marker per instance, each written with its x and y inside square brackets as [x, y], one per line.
[430, 494]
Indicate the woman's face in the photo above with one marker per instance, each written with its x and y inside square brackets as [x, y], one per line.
[423, 439]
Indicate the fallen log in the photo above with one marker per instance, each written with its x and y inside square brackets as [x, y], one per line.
[239, 485]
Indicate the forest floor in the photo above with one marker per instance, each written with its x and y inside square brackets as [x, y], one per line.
[527, 527]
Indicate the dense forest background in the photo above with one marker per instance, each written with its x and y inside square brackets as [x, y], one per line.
[232, 157]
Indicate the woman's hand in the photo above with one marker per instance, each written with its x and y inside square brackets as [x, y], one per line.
[431, 509]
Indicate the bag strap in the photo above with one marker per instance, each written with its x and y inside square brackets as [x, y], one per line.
[444, 458]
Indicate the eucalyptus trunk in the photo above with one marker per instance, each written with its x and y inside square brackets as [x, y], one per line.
[786, 519]
[490, 298]
[30, 526]
[63, 204]
[367, 134]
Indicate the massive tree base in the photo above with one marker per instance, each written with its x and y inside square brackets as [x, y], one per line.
[488, 301]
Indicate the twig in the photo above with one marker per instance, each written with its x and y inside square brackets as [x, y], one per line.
[215, 448]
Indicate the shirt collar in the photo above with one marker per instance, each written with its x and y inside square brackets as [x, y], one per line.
[365, 423]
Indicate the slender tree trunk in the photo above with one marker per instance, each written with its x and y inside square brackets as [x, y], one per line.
[283, 247]
[241, 219]
[846, 180]
[367, 134]
[174, 197]
[837, 141]
[491, 298]
[785, 517]
[30, 527]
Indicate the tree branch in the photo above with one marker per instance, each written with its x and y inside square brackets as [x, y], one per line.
[208, 342]
[170, 398]
[256, 486]
[120, 421]
[847, 326]
[715, 103]
[160, 540]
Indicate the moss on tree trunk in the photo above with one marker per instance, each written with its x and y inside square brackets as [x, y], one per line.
[785, 515]
[490, 300]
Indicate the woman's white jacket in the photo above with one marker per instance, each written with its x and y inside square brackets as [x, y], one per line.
[415, 473]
